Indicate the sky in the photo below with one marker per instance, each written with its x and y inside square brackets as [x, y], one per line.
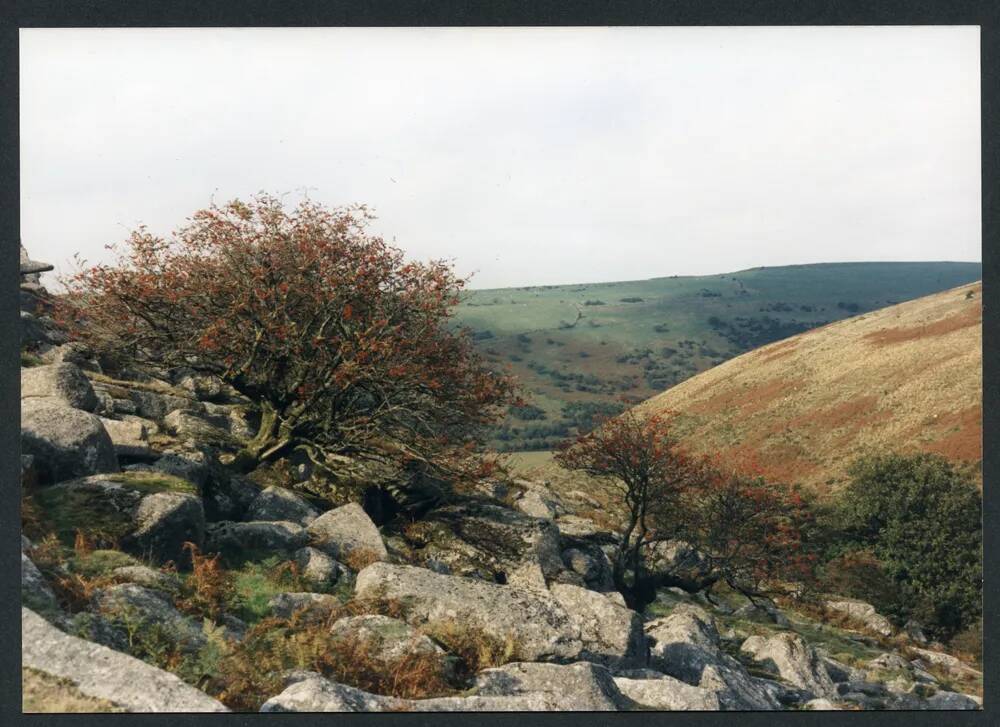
[526, 156]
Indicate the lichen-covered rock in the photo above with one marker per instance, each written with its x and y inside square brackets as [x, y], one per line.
[762, 613]
[611, 634]
[685, 645]
[35, 591]
[787, 655]
[480, 539]
[277, 503]
[385, 639]
[864, 613]
[130, 438]
[953, 664]
[187, 425]
[164, 522]
[60, 383]
[952, 700]
[347, 533]
[820, 705]
[582, 686]
[116, 506]
[156, 406]
[539, 625]
[592, 565]
[313, 605]
[317, 567]
[146, 577]
[651, 690]
[142, 611]
[841, 672]
[536, 503]
[256, 540]
[313, 693]
[65, 442]
[103, 673]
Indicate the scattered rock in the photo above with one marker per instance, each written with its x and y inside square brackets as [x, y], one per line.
[164, 522]
[685, 645]
[348, 533]
[148, 614]
[65, 442]
[538, 624]
[652, 690]
[313, 605]
[536, 504]
[573, 687]
[59, 383]
[864, 613]
[820, 705]
[841, 672]
[385, 639]
[953, 664]
[611, 634]
[155, 406]
[238, 541]
[915, 632]
[130, 438]
[787, 655]
[952, 700]
[187, 425]
[888, 662]
[35, 591]
[592, 565]
[102, 673]
[763, 613]
[277, 503]
[317, 567]
[146, 577]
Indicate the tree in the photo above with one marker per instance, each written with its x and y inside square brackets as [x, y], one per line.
[749, 533]
[346, 348]
[922, 518]
[642, 459]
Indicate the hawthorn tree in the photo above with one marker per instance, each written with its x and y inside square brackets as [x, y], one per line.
[641, 458]
[346, 348]
[750, 533]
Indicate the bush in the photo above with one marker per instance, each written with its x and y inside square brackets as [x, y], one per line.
[922, 518]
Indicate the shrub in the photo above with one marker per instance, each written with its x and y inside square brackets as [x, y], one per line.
[922, 518]
[345, 347]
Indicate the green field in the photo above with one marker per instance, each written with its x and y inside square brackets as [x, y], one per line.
[581, 350]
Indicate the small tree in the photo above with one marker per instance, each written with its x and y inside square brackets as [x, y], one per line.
[346, 348]
[749, 532]
[641, 458]
[922, 519]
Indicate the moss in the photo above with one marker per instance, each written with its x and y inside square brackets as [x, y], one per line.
[100, 562]
[153, 482]
[103, 514]
[30, 360]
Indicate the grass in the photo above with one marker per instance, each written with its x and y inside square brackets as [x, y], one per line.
[45, 693]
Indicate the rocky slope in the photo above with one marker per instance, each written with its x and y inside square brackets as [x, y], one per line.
[901, 378]
[500, 598]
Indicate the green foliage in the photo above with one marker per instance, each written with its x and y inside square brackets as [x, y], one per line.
[922, 518]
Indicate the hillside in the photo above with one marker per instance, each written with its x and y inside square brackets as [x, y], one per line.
[578, 349]
[907, 377]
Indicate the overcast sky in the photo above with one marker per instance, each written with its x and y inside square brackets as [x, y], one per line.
[529, 156]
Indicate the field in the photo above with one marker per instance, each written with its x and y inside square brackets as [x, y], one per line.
[585, 350]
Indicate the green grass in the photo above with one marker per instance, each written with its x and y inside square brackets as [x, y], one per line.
[675, 313]
[257, 583]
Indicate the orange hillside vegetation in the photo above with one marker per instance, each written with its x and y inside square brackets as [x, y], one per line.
[905, 378]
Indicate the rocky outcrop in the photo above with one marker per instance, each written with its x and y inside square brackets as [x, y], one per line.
[385, 639]
[35, 591]
[582, 686]
[481, 539]
[151, 515]
[863, 613]
[277, 503]
[65, 442]
[317, 567]
[540, 627]
[685, 645]
[313, 693]
[164, 523]
[649, 689]
[788, 656]
[254, 540]
[60, 383]
[102, 673]
[347, 533]
[140, 611]
[611, 634]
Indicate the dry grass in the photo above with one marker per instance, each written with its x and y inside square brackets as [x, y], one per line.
[360, 558]
[905, 378]
[44, 693]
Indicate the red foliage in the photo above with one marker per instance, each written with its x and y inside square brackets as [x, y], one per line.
[347, 348]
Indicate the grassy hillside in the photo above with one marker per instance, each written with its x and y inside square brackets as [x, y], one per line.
[906, 378]
[579, 349]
